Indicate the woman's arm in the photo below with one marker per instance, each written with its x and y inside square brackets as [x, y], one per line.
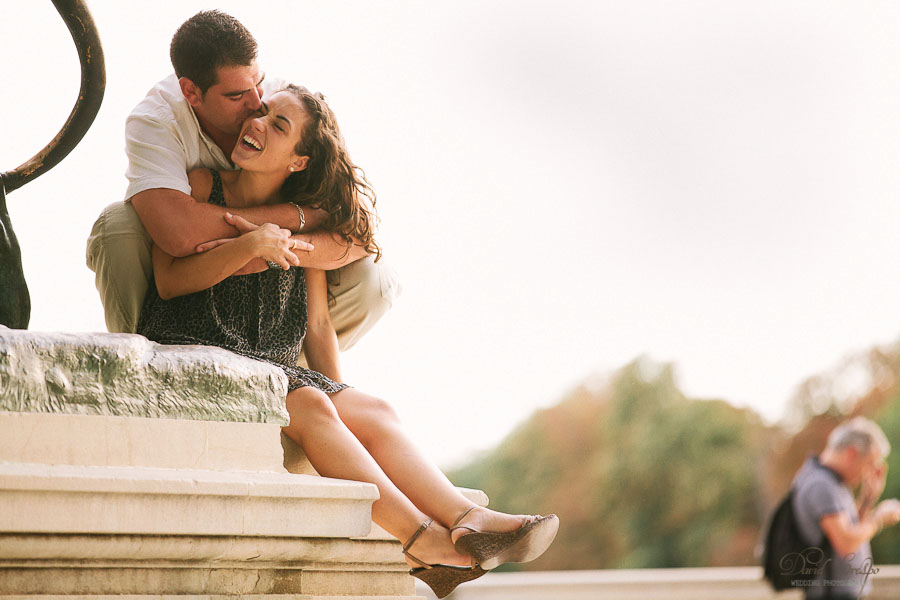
[321, 343]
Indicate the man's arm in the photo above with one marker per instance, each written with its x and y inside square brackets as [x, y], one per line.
[178, 224]
[845, 536]
[329, 251]
[177, 276]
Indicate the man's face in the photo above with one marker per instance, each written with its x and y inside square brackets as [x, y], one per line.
[231, 100]
[874, 464]
[868, 466]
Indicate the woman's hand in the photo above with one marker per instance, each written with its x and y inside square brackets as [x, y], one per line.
[273, 244]
[244, 226]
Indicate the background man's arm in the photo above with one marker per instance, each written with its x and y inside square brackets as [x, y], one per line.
[846, 537]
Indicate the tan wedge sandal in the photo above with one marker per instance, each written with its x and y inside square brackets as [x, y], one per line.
[442, 579]
[490, 550]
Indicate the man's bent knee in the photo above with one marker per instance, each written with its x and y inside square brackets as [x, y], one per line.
[363, 293]
[118, 251]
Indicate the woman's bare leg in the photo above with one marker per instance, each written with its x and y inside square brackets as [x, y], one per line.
[376, 426]
[335, 452]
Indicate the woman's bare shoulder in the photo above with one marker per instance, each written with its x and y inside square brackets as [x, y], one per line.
[201, 184]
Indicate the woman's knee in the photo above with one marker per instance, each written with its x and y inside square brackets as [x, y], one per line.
[369, 418]
[382, 412]
[310, 404]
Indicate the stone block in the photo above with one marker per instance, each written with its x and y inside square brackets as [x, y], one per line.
[127, 375]
[193, 579]
[89, 440]
[124, 500]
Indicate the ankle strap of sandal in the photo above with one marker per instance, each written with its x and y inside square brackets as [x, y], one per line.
[456, 523]
[412, 540]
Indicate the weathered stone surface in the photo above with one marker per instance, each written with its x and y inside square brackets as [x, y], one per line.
[127, 375]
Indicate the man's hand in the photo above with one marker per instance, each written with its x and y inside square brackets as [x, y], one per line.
[871, 488]
[887, 512]
[244, 226]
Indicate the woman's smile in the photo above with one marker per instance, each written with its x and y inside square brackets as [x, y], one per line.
[251, 143]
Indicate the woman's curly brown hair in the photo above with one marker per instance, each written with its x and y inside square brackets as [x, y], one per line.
[331, 181]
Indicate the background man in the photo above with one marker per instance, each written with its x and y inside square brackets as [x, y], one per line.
[825, 506]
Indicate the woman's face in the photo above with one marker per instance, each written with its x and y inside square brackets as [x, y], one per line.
[268, 138]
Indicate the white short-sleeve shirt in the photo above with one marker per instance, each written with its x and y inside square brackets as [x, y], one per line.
[164, 141]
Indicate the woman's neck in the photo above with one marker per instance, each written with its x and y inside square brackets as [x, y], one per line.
[247, 188]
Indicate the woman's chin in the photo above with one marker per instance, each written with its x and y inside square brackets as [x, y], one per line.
[238, 159]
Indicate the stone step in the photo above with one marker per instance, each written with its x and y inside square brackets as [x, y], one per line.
[141, 442]
[94, 499]
[276, 596]
[91, 531]
[359, 582]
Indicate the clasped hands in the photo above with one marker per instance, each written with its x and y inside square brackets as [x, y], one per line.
[269, 241]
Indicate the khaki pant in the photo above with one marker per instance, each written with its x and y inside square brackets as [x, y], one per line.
[118, 251]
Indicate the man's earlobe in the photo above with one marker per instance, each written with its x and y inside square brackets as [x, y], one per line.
[190, 91]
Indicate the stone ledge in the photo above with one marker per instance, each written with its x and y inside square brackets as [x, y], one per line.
[101, 500]
[127, 375]
[201, 597]
[140, 442]
[49, 548]
[359, 582]
[278, 596]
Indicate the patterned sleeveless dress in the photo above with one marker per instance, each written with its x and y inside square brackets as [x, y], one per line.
[261, 316]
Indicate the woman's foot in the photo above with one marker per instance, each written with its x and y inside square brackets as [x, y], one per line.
[483, 519]
[434, 547]
[493, 538]
[442, 577]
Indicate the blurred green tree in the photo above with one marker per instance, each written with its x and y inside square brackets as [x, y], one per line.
[640, 475]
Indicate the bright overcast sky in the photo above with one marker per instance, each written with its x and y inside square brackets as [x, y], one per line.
[563, 186]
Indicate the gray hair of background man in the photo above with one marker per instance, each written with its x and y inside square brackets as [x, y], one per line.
[860, 433]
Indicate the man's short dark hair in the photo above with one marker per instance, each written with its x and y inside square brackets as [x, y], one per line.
[209, 40]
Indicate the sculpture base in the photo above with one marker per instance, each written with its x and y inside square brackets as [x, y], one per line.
[129, 469]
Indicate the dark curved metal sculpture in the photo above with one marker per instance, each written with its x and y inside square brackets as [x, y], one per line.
[15, 302]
